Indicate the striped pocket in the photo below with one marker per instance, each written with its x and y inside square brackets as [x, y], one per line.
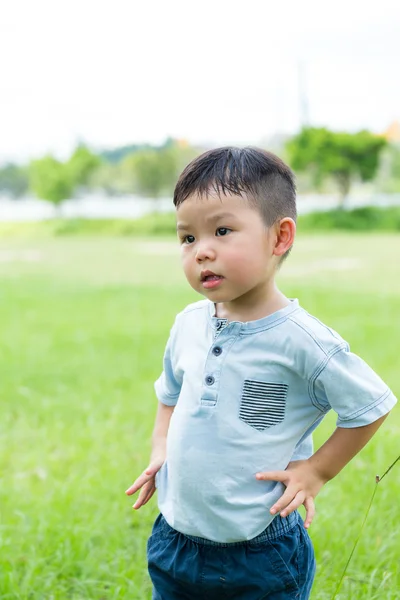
[263, 404]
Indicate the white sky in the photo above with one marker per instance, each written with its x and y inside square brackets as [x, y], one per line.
[210, 71]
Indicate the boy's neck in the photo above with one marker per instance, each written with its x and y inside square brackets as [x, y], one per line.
[257, 308]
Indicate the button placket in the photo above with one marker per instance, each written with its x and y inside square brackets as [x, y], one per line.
[215, 359]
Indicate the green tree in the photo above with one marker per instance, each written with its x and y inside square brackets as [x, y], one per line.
[388, 178]
[343, 156]
[14, 180]
[142, 169]
[107, 178]
[50, 180]
[81, 165]
[155, 171]
[127, 178]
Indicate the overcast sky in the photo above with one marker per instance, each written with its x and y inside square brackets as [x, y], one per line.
[210, 71]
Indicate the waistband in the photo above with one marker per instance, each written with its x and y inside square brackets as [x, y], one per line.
[279, 526]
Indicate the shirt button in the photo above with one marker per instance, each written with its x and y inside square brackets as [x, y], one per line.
[217, 350]
[210, 380]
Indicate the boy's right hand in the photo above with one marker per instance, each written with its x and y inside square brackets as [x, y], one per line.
[146, 481]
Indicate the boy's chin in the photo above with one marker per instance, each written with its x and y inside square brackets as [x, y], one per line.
[217, 296]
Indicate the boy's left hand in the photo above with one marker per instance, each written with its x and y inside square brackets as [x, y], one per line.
[302, 483]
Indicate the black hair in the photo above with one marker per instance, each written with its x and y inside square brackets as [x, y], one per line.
[263, 178]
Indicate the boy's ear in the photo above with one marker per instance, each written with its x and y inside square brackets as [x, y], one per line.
[285, 232]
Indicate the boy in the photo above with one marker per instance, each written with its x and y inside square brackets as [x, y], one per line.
[248, 375]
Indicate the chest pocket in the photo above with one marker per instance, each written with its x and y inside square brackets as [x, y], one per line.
[263, 404]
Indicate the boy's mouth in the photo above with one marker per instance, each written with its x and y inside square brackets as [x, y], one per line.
[209, 276]
[210, 280]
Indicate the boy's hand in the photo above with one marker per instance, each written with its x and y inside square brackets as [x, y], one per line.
[302, 483]
[146, 481]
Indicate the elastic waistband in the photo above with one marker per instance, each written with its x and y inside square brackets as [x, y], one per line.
[279, 526]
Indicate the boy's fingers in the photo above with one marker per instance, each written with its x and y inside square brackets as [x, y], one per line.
[131, 490]
[309, 505]
[145, 494]
[147, 474]
[153, 468]
[140, 481]
[284, 500]
[148, 495]
[135, 486]
[273, 476]
[139, 500]
[294, 504]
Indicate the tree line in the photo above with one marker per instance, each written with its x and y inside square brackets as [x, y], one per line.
[323, 160]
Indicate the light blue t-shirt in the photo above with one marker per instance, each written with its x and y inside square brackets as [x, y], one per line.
[247, 397]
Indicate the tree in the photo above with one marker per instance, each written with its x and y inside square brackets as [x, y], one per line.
[108, 178]
[51, 180]
[55, 181]
[81, 165]
[155, 171]
[343, 156]
[14, 180]
[388, 178]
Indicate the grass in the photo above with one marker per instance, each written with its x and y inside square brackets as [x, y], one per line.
[83, 325]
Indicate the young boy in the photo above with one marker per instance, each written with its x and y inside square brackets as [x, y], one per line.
[248, 375]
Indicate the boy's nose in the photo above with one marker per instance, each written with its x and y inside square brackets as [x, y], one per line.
[204, 252]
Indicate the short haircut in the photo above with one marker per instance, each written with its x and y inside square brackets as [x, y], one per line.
[263, 178]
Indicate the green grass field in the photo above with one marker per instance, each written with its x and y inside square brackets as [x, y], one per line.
[83, 326]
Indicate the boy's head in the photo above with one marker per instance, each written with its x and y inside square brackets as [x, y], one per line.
[258, 191]
[262, 178]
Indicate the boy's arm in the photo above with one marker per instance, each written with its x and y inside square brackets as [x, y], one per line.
[341, 447]
[146, 480]
[304, 478]
[160, 431]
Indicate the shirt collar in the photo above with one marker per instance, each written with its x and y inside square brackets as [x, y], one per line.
[258, 324]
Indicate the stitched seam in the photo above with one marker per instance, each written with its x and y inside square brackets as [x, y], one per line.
[318, 372]
[271, 325]
[219, 371]
[274, 411]
[282, 570]
[364, 410]
[331, 331]
[307, 331]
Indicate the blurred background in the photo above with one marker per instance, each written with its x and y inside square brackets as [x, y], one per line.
[101, 106]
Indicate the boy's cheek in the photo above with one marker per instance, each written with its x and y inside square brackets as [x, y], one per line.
[188, 271]
[189, 267]
[192, 279]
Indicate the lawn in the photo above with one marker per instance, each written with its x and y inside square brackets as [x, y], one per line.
[83, 326]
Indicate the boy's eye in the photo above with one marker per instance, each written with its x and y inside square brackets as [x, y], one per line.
[222, 231]
[188, 239]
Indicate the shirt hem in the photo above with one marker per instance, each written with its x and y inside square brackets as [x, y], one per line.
[347, 422]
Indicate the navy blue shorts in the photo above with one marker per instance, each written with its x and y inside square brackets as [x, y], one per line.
[278, 564]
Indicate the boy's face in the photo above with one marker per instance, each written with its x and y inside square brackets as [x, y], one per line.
[227, 250]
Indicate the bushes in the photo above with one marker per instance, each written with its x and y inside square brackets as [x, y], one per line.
[368, 218]
[154, 224]
[157, 224]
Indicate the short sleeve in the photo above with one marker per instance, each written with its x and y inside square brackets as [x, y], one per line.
[352, 389]
[168, 386]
